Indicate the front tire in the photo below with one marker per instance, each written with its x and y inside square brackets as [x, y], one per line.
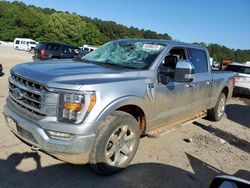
[216, 113]
[116, 143]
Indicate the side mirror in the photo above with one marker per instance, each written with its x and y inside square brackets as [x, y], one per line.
[229, 182]
[184, 71]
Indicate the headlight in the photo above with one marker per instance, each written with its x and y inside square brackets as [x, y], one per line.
[75, 107]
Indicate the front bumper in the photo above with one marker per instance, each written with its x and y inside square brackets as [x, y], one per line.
[241, 90]
[76, 150]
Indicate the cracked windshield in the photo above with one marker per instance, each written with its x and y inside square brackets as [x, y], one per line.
[136, 55]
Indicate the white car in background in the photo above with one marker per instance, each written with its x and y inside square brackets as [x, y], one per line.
[242, 77]
[25, 44]
[89, 48]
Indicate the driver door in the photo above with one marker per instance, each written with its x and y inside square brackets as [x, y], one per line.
[173, 99]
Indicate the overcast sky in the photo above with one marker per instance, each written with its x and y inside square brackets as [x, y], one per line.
[226, 22]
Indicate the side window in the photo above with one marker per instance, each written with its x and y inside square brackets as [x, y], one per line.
[167, 66]
[199, 60]
[55, 47]
[52, 47]
[68, 50]
[49, 47]
[17, 41]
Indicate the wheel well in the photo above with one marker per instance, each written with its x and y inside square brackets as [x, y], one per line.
[225, 91]
[138, 113]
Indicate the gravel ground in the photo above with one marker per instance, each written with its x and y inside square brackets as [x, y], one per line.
[187, 156]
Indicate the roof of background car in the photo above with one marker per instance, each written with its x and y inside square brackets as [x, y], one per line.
[166, 42]
[57, 43]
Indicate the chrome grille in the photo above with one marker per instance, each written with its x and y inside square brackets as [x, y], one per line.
[28, 83]
[30, 96]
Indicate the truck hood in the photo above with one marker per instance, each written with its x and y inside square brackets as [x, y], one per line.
[69, 74]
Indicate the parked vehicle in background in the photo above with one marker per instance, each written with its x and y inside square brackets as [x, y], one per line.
[96, 109]
[82, 52]
[85, 50]
[89, 48]
[1, 70]
[242, 77]
[25, 44]
[50, 50]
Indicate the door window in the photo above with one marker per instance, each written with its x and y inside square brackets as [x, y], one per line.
[167, 66]
[52, 47]
[199, 59]
[68, 50]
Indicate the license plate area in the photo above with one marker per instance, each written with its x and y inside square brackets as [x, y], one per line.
[20, 131]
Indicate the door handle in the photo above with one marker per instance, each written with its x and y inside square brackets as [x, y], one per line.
[189, 85]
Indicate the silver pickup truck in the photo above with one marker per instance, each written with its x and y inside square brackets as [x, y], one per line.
[94, 110]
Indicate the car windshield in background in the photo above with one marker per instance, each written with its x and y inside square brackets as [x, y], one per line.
[129, 54]
[239, 69]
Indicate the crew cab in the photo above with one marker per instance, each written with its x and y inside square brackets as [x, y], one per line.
[94, 110]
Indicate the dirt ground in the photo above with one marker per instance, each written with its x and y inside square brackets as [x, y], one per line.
[211, 148]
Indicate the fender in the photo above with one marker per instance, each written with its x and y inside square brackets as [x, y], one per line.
[123, 101]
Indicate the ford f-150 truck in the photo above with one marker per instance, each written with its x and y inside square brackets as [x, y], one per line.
[95, 109]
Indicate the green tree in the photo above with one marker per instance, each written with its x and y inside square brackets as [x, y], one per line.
[44, 24]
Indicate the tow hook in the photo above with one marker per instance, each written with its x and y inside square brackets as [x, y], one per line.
[34, 148]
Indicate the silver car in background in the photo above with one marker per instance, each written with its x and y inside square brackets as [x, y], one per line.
[242, 77]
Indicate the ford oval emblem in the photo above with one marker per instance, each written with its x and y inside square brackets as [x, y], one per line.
[18, 93]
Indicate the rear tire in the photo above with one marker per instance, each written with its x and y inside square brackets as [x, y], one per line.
[216, 113]
[116, 143]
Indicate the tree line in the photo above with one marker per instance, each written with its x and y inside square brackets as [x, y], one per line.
[45, 24]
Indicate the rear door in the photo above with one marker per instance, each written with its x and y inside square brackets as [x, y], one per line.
[52, 50]
[202, 79]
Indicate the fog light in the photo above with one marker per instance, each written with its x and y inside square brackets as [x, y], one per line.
[59, 135]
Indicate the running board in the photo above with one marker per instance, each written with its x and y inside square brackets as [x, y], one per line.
[160, 131]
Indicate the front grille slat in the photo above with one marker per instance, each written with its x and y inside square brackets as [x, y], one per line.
[32, 95]
[24, 87]
[28, 95]
[20, 107]
[33, 108]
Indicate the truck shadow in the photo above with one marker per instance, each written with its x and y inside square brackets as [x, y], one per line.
[137, 175]
[230, 138]
[235, 112]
